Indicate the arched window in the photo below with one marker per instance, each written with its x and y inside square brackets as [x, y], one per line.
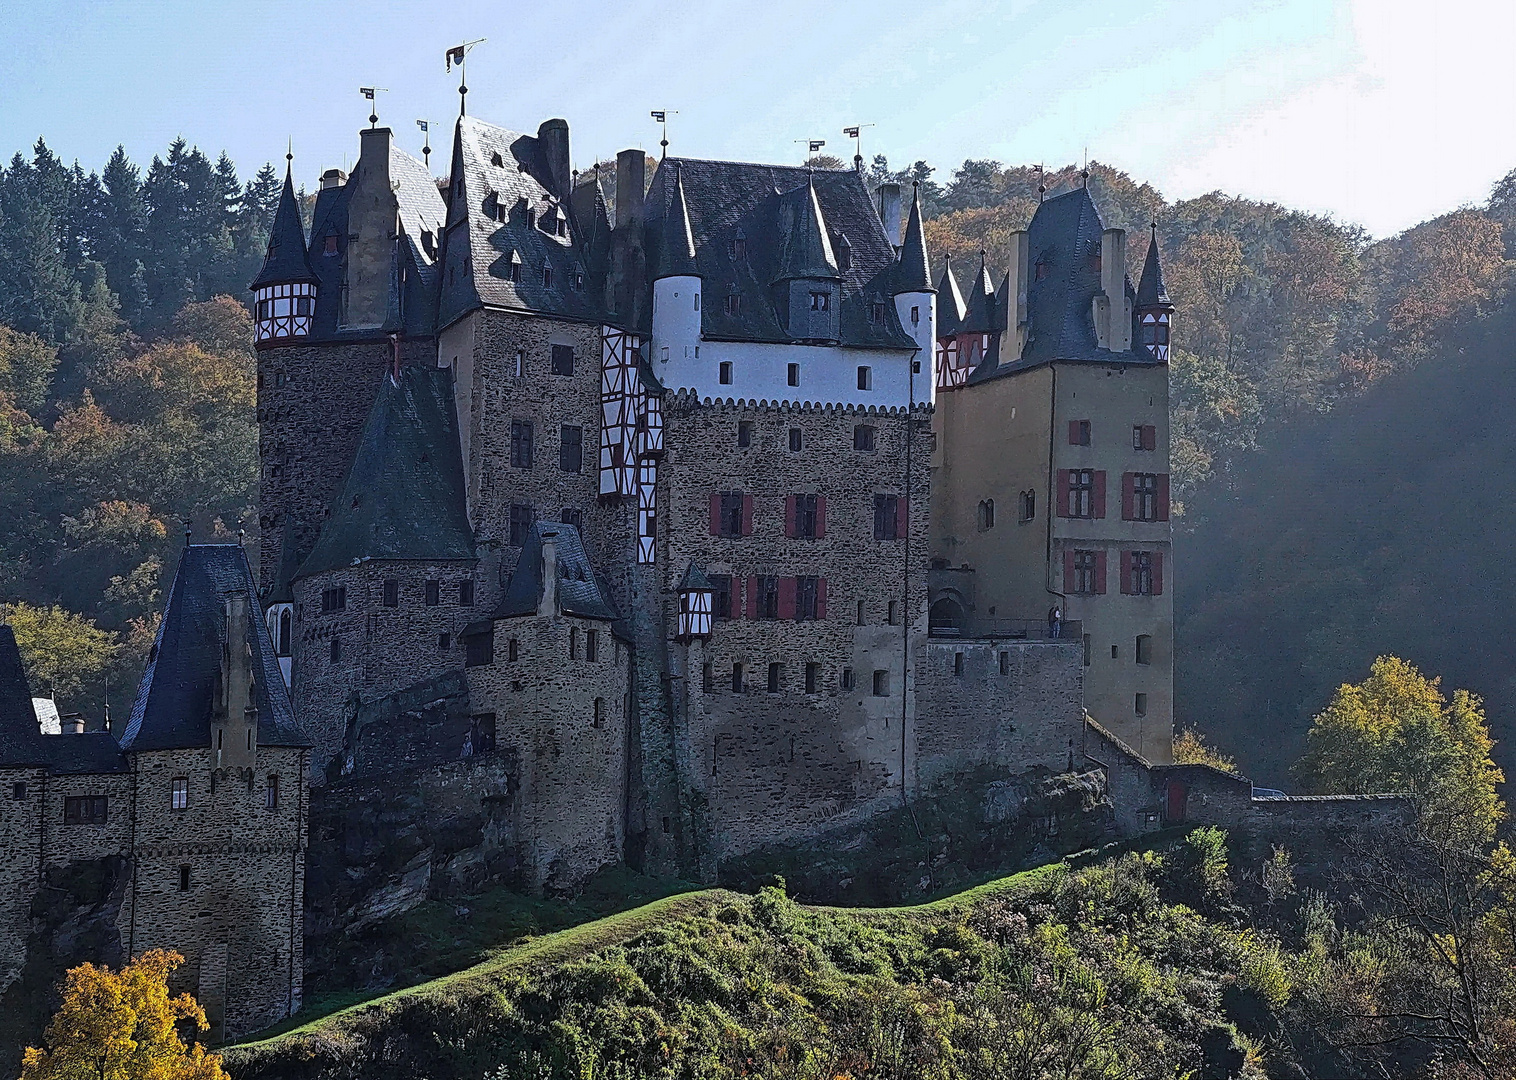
[986, 514]
[1028, 506]
[945, 619]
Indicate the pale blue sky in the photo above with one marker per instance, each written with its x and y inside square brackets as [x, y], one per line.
[1381, 112]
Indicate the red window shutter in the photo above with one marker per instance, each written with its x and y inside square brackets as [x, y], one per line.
[1097, 504]
[1063, 493]
[1068, 571]
[747, 515]
[1157, 573]
[789, 516]
[715, 513]
[820, 584]
[1149, 437]
[1100, 573]
[787, 598]
[1163, 496]
[902, 518]
[1126, 573]
[1128, 495]
[820, 517]
[1074, 433]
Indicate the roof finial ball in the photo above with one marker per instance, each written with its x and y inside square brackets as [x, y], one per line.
[189, 528]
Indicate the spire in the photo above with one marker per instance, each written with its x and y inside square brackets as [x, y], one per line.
[950, 298]
[807, 249]
[914, 272]
[979, 318]
[1151, 292]
[676, 254]
[287, 260]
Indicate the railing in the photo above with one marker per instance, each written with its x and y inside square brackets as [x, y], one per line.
[1013, 629]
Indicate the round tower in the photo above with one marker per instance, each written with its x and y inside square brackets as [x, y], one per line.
[284, 293]
[676, 296]
[915, 298]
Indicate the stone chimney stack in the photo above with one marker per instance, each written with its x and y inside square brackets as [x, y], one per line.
[888, 196]
[71, 724]
[553, 137]
[547, 606]
[1113, 314]
[333, 178]
[1015, 298]
[234, 725]
[628, 257]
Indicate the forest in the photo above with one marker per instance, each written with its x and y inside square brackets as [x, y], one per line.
[1338, 446]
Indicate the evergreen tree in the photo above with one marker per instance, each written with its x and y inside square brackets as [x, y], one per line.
[122, 239]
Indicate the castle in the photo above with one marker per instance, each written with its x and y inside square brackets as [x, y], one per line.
[670, 522]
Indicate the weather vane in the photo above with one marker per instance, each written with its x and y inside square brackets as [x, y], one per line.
[426, 149]
[369, 92]
[812, 146]
[856, 134]
[456, 55]
[661, 116]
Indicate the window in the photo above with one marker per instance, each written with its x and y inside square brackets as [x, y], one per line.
[86, 810]
[795, 440]
[571, 515]
[736, 247]
[573, 643]
[334, 650]
[708, 678]
[1081, 493]
[271, 793]
[521, 444]
[18, 792]
[1140, 705]
[390, 593]
[733, 304]
[1137, 440]
[592, 645]
[859, 621]
[725, 373]
[547, 280]
[178, 798]
[793, 374]
[806, 517]
[563, 359]
[433, 593]
[599, 717]
[1085, 566]
[1079, 433]
[1144, 649]
[863, 437]
[957, 663]
[849, 680]
[466, 593]
[513, 650]
[444, 642]
[731, 514]
[776, 677]
[821, 301]
[520, 365]
[812, 678]
[333, 599]
[1140, 573]
[1115, 652]
[571, 448]
[1005, 663]
[876, 315]
[521, 523]
[986, 514]
[496, 160]
[1086, 650]
[329, 244]
[1155, 333]
[881, 683]
[892, 616]
[915, 316]
[886, 517]
[184, 879]
[721, 595]
[515, 274]
[744, 433]
[736, 678]
[479, 649]
[767, 600]
[807, 597]
[1142, 501]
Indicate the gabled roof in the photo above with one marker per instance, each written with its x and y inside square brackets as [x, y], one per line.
[580, 591]
[177, 694]
[980, 315]
[950, 304]
[694, 579]
[742, 245]
[21, 740]
[676, 249]
[914, 272]
[287, 261]
[403, 496]
[477, 270]
[1150, 292]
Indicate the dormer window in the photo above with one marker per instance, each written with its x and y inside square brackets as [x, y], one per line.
[562, 227]
[429, 243]
[736, 247]
[329, 244]
[547, 276]
[876, 313]
[821, 301]
[734, 304]
[496, 160]
[515, 267]
[1041, 269]
[531, 218]
[578, 279]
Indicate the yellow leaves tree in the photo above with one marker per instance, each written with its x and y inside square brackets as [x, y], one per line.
[63, 653]
[121, 1025]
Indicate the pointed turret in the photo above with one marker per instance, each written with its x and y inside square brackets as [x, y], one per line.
[979, 318]
[950, 297]
[913, 273]
[807, 247]
[1153, 310]
[676, 252]
[284, 291]
[1151, 291]
[676, 286]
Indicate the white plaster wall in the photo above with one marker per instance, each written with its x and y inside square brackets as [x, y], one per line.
[924, 333]
[676, 318]
[828, 373]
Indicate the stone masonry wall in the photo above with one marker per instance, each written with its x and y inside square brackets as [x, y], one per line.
[64, 843]
[1011, 704]
[382, 649]
[783, 763]
[20, 868]
[564, 720]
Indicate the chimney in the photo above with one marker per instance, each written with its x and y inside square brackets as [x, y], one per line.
[548, 605]
[71, 723]
[333, 178]
[1015, 300]
[553, 138]
[888, 196]
[628, 259]
[1113, 318]
[631, 170]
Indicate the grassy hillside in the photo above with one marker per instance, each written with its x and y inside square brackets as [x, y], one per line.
[1157, 963]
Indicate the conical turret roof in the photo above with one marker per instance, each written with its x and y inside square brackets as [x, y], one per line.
[914, 272]
[676, 251]
[950, 303]
[287, 261]
[980, 316]
[694, 579]
[807, 248]
[1151, 292]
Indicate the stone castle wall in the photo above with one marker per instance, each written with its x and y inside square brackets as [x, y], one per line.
[21, 841]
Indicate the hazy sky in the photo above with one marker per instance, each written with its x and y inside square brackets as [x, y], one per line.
[1380, 112]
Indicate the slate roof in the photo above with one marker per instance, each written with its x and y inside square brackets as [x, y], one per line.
[914, 271]
[1064, 237]
[676, 251]
[950, 303]
[694, 579]
[89, 753]
[981, 315]
[580, 591]
[1151, 292]
[177, 693]
[403, 497]
[728, 201]
[479, 248]
[287, 261]
[20, 737]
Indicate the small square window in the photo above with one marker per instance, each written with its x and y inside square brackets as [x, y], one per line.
[563, 359]
[794, 374]
[465, 593]
[736, 678]
[391, 593]
[444, 642]
[776, 678]
[179, 793]
[18, 792]
[271, 793]
[865, 378]
[794, 440]
[812, 678]
[849, 680]
[433, 593]
[958, 663]
[863, 437]
[881, 683]
[334, 650]
[184, 879]
[744, 433]
[1141, 704]
[1144, 649]
[725, 373]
